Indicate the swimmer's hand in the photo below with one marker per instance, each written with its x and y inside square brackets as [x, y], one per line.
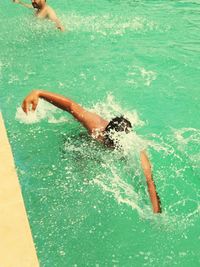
[16, 1]
[31, 101]
[61, 28]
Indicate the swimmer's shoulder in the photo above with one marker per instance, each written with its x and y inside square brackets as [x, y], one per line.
[42, 13]
[50, 11]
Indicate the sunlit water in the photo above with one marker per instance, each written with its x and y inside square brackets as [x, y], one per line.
[89, 206]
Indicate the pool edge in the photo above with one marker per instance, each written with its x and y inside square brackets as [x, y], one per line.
[16, 247]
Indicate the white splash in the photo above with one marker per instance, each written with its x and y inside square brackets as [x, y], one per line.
[107, 24]
[188, 141]
[109, 109]
[44, 111]
[137, 75]
[186, 135]
[123, 192]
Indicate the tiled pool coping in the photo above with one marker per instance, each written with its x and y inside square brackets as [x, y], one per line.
[16, 243]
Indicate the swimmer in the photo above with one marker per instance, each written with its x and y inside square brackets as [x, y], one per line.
[43, 11]
[99, 128]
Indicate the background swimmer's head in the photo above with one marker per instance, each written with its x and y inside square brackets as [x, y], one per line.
[118, 124]
[38, 3]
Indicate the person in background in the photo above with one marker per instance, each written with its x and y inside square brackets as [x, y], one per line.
[99, 128]
[43, 11]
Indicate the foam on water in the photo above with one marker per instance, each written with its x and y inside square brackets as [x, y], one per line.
[139, 75]
[108, 24]
[179, 158]
[188, 143]
[110, 108]
[104, 24]
[184, 136]
[44, 111]
[123, 192]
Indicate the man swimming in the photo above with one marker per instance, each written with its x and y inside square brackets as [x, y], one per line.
[99, 128]
[43, 11]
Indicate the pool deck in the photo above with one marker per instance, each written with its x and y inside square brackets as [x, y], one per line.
[16, 243]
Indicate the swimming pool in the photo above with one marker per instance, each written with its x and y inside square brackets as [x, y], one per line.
[88, 206]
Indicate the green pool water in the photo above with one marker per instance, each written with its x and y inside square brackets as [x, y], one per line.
[88, 206]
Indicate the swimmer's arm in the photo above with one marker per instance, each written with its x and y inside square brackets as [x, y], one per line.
[52, 16]
[89, 119]
[23, 4]
[154, 197]
[62, 102]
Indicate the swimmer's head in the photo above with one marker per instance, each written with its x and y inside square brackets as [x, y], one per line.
[118, 124]
[38, 3]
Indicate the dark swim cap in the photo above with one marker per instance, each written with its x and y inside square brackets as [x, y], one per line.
[118, 124]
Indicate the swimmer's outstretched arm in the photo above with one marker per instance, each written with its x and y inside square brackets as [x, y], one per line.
[155, 200]
[23, 4]
[90, 120]
[62, 102]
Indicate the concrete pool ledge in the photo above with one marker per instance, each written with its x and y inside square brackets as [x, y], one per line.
[16, 243]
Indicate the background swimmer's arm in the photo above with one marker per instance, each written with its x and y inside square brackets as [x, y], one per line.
[155, 200]
[22, 3]
[52, 16]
